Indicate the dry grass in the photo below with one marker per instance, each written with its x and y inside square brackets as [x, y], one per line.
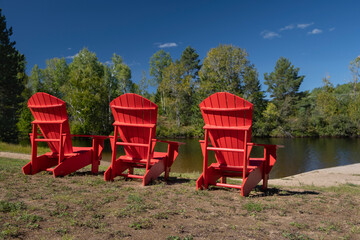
[82, 206]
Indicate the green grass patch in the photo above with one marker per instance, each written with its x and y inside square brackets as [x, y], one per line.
[18, 148]
[6, 206]
[253, 207]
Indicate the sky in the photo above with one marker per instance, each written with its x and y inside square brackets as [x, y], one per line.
[318, 37]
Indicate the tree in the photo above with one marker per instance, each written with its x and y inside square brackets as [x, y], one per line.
[284, 81]
[158, 62]
[121, 74]
[252, 91]
[223, 70]
[354, 68]
[176, 83]
[190, 60]
[283, 85]
[143, 85]
[55, 76]
[12, 81]
[35, 83]
[189, 108]
[86, 92]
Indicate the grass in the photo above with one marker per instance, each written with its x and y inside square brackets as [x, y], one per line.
[82, 206]
[17, 148]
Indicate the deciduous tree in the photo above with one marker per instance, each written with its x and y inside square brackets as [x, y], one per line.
[158, 62]
[85, 94]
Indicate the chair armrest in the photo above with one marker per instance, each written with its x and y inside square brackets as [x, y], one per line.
[168, 142]
[266, 145]
[90, 136]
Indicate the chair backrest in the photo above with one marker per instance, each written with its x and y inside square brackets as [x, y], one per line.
[135, 116]
[227, 118]
[49, 113]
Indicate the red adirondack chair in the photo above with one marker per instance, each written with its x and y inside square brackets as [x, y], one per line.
[51, 118]
[135, 124]
[228, 120]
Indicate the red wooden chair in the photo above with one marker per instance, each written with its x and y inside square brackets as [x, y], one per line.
[228, 120]
[51, 118]
[135, 124]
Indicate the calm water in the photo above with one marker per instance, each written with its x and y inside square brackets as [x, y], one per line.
[299, 154]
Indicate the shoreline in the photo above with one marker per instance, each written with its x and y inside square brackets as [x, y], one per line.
[326, 177]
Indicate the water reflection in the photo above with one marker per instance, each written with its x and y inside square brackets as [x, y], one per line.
[299, 154]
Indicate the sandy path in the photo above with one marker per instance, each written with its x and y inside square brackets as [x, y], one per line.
[322, 177]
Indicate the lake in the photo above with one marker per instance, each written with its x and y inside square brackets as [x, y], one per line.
[298, 155]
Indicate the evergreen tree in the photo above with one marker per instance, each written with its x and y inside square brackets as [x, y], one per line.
[12, 80]
[190, 60]
[284, 81]
[283, 85]
[189, 108]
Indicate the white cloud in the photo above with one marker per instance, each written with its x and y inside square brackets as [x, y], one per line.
[167, 45]
[69, 48]
[304, 25]
[71, 57]
[315, 31]
[288, 27]
[331, 29]
[269, 35]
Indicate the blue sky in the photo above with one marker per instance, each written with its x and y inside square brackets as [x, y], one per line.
[319, 37]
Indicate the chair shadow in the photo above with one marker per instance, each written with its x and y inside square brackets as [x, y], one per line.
[259, 192]
[159, 180]
[175, 180]
[278, 192]
[85, 173]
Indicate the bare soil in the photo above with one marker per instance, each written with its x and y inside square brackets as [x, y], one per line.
[84, 206]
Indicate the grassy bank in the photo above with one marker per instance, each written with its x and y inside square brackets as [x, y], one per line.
[18, 148]
[83, 206]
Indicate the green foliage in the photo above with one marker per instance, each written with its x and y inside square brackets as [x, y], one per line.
[190, 60]
[354, 68]
[12, 81]
[176, 86]
[88, 86]
[284, 81]
[54, 77]
[158, 62]
[223, 70]
[86, 92]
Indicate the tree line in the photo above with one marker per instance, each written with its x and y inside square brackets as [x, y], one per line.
[88, 86]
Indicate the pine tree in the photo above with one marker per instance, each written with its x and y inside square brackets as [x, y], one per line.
[12, 77]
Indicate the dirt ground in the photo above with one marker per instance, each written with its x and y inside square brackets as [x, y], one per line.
[83, 206]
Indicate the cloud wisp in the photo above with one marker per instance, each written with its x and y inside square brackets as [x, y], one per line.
[167, 45]
[269, 34]
[304, 25]
[276, 34]
[288, 27]
[315, 31]
[71, 57]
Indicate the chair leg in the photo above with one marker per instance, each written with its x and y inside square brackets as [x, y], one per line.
[154, 172]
